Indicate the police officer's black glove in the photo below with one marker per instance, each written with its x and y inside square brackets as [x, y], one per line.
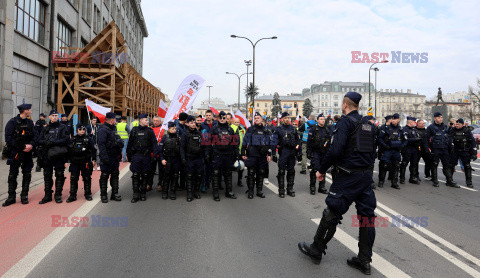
[275, 158]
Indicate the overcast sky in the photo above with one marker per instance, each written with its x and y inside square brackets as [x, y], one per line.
[315, 40]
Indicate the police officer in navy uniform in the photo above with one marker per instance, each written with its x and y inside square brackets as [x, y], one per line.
[289, 148]
[141, 148]
[39, 126]
[353, 151]
[169, 153]
[20, 137]
[392, 140]
[256, 151]
[67, 123]
[83, 155]
[318, 143]
[193, 151]
[465, 149]
[110, 147]
[424, 152]
[411, 153]
[224, 144]
[441, 147]
[54, 139]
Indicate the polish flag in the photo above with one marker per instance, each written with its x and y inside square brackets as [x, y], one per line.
[99, 111]
[215, 111]
[239, 115]
[162, 109]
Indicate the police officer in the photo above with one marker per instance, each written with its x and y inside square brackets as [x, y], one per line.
[257, 148]
[440, 144]
[55, 138]
[169, 152]
[110, 147]
[68, 124]
[464, 148]
[392, 141]
[39, 125]
[141, 148]
[289, 148]
[192, 152]
[224, 146]
[424, 153]
[411, 153]
[20, 137]
[318, 143]
[353, 151]
[82, 153]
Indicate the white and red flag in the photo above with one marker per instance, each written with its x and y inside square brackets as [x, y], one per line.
[239, 115]
[214, 111]
[162, 109]
[99, 111]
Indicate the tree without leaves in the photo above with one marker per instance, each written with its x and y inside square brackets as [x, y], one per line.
[307, 108]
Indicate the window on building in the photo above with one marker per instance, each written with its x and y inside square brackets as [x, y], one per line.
[266, 105]
[343, 89]
[97, 19]
[335, 88]
[107, 4]
[324, 89]
[64, 37]
[83, 43]
[258, 104]
[87, 11]
[335, 97]
[30, 19]
[73, 2]
[335, 104]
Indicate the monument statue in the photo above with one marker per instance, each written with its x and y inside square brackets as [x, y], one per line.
[439, 96]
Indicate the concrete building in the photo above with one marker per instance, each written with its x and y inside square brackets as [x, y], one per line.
[293, 104]
[31, 31]
[217, 103]
[391, 101]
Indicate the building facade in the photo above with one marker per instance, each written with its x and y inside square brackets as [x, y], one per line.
[31, 31]
[217, 103]
[293, 104]
[392, 101]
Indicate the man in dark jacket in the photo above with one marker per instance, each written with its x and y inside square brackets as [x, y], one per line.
[169, 153]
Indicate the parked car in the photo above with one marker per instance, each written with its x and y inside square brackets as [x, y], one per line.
[476, 134]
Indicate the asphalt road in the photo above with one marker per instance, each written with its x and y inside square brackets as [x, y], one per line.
[258, 238]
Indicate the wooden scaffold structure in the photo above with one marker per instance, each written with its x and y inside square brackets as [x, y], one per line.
[101, 72]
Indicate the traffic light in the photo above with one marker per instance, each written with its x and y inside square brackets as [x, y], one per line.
[295, 105]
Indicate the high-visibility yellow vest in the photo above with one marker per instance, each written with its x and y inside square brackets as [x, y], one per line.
[122, 131]
[134, 124]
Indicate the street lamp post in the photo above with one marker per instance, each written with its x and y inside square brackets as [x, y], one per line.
[209, 94]
[239, 84]
[248, 63]
[253, 45]
[376, 69]
[370, 86]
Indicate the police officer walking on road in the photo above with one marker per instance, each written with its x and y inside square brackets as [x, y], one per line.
[169, 152]
[464, 148]
[289, 148]
[317, 146]
[257, 152]
[192, 152]
[411, 153]
[440, 144]
[353, 151]
[82, 153]
[392, 140]
[110, 147]
[55, 138]
[224, 144]
[141, 148]
[20, 137]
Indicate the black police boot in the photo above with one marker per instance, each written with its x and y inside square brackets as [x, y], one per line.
[166, 184]
[239, 179]
[103, 187]
[382, 173]
[362, 261]
[434, 172]
[448, 171]
[87, 186]
[47, 178]
[73, 188]
[189, 185]
[413, 174]
[259, 182]
[38, 169]
[281, 183]
[143, 186]
[290, 182]
[59, 182]
[26, 178]
[136, 180]
[251, 182]
[313, 182]
[468, 176]
[172, 189]
[196, 186]
[216, 184]
[321, 187]
[394, 170]
[363, 266]
[114, 183]
[12, 186]
[403, 169]
[227, 176]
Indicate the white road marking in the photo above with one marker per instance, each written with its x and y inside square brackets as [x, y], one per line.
[459, 168]
[23, 267]
[379, 263]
